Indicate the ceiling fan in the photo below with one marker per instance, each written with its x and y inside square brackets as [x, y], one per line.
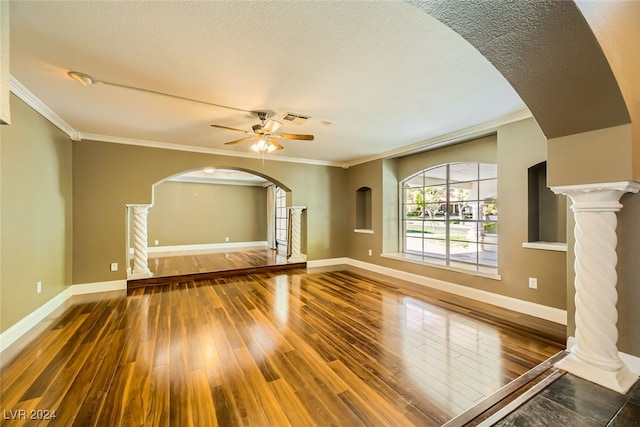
[264, 135]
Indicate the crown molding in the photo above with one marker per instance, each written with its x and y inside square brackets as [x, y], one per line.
[204, 150]
[458, 136]
[34, 102]
[472, 132]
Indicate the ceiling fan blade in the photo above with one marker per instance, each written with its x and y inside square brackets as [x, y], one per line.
[228, 128]
[276, 144]
[293, 136]
[271, 126]
[237, 141]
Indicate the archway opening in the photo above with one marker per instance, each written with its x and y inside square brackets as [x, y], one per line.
[209, 220]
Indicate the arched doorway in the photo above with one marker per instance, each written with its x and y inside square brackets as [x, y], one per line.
[207, 220]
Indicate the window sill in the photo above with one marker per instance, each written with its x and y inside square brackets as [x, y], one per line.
[546, 246]
[363, 230]
[458, 267]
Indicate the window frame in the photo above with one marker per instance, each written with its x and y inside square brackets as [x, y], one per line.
[281, 206]
[479, 264]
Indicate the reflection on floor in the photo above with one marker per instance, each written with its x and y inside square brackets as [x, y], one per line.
[164, 264]
[199, 265]
[303, 347]
[572, 401]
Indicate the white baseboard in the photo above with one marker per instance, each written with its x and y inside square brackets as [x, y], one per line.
[327, 262]
[12, 334]
[23, 326]
[537, 310]
[204, 247]
[91, 288]
[632, 362]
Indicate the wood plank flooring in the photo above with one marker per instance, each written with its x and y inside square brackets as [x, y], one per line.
[193, 262]
[302, 348]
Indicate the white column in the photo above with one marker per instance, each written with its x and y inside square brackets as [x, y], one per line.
[295, 222]
[140, 257]
[595, 354]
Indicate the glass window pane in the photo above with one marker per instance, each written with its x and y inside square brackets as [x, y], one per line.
[488, 189]
[488, 170]
[435, 229]
[488, 254]
[414, 227]
[490, 209]
[490, 227]
[416, 181]
[435, 248]
[434, 210]
[463, 172]
[435, 176]
[411, 211]
[467, 254]
[413, 245]
[413, 195]
[470, 211]
[435, 194]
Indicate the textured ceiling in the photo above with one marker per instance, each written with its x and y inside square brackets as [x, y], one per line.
[548, 52]
[385, 74]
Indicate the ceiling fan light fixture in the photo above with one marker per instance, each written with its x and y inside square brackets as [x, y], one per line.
[263, 146]
[82, 78]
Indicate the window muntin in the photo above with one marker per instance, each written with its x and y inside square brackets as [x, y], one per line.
[449, 214]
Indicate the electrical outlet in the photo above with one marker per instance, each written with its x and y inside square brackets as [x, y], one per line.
[226, 239]
[114, 266]
[39, 287]
[370, 252]
[533, 283]
[156, 242]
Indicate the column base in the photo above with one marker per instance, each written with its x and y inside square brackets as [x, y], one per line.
[297, 258]
[619, 380]
[135, 275]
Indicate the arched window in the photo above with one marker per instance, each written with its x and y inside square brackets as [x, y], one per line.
[450, 215]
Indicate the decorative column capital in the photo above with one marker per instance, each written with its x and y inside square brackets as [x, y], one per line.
[139, 208]
[599, 197]
[297, 208]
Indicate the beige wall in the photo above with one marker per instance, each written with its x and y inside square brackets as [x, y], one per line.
[108, 176]
[186, 213]
[520, 146]
[616, 25]
[516, 147]
[36, 204]
[602, 155]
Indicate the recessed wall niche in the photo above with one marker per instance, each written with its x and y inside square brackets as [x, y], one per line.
[547, 210]
[363, 209]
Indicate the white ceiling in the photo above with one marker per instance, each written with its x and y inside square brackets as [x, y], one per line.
[385, 74]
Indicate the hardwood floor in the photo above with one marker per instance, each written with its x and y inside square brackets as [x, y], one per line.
[316, 347]
[184, 263]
